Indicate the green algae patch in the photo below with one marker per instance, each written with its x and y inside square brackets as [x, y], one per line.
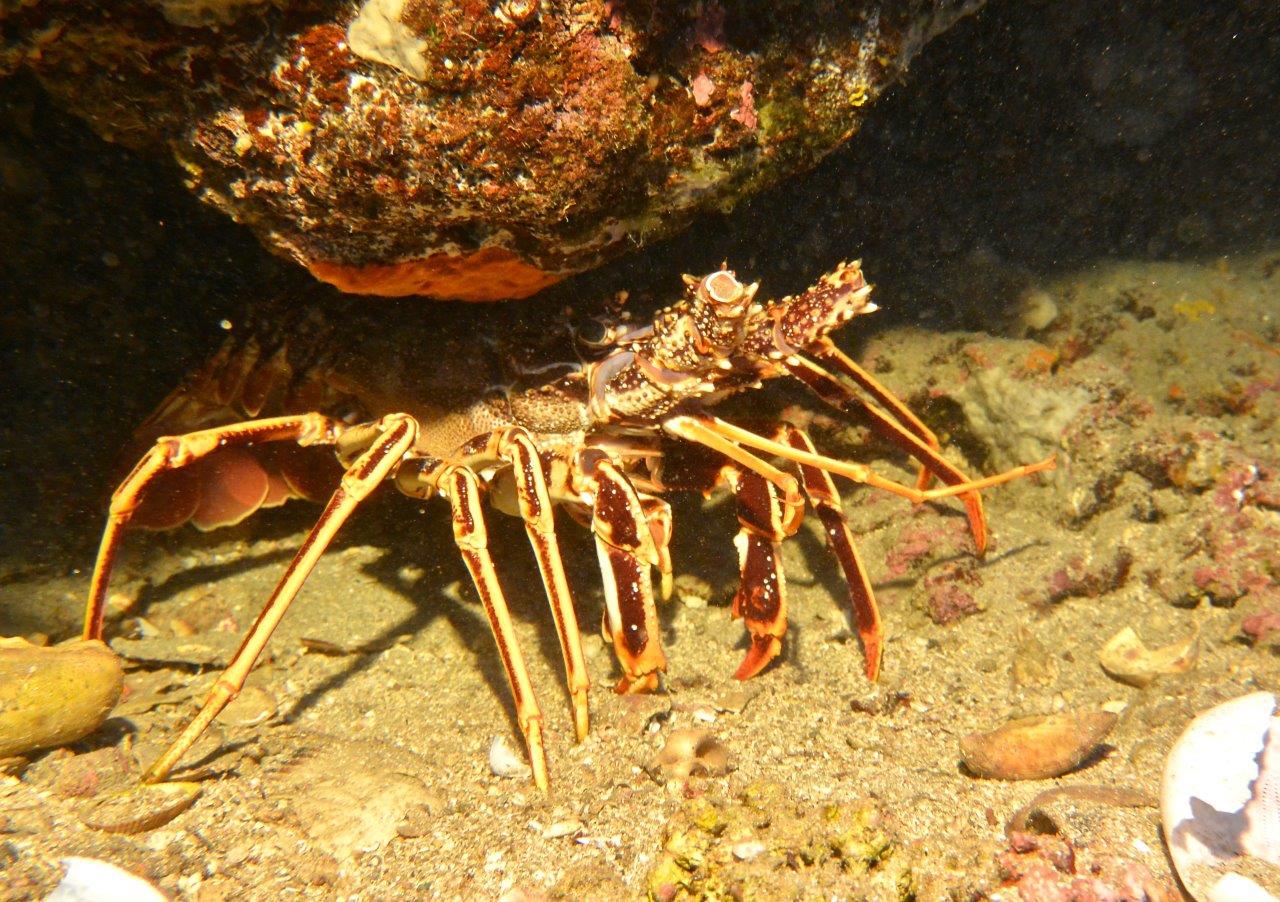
[761, 843]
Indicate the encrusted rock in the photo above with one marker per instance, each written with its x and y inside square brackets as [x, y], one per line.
[473, 150]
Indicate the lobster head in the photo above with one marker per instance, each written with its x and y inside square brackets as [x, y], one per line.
[719, 340]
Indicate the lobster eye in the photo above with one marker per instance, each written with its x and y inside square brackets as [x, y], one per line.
[722, 288]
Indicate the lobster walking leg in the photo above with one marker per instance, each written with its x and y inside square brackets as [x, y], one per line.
[657, 513]
[626, 549]
[173, 453]
[396, 435]
[839, 396]
[703, 431]
[905, 416]
[515, 446]
[462, 487]
[822, 494]
[765, 519]
[708, 429]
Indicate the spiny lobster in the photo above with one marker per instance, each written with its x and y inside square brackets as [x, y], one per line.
[603, 436]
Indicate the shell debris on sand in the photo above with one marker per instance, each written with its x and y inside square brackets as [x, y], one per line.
[140, 808]
[1220, 802]
[1126, 659]
[53, 696]
[1036, 748]
[505, 761]
[691, 752]
[91, 880]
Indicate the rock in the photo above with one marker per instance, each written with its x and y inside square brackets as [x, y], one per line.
[1018, 419]
[355, 797]
[473, 151]
[53, 696]
[1036, 748]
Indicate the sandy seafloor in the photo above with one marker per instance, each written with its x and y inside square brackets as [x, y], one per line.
[1071, 215]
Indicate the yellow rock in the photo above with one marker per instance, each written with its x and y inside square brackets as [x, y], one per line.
[52, 696]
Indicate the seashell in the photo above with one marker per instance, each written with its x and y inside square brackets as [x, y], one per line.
[748, 849]
[1220, 802]
[504, 761]
[91, 880]
[1036, 748]
[1126, 659]
[52, 696]
[140, 808]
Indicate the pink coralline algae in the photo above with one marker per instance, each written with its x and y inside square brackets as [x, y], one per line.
[702, 88]
[947, 592]
[1050, 868]
[1260, 625]
[928, 536]
[1090, 578]
[746, 109]
[465, 148]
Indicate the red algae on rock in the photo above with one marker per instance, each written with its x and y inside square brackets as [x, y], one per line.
[465, 149]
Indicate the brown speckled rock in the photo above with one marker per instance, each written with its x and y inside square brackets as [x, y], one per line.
[464, 149]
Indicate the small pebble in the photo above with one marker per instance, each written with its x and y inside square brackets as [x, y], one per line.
[122, 602]
[410, 574]
[251, 707]
[1033, 665]
[692, 591]
[562, 828]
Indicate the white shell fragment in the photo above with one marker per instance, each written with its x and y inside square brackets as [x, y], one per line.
[91, 880]
[1126, 659]
[1220, 802]
[504, 761]
[692, 751]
